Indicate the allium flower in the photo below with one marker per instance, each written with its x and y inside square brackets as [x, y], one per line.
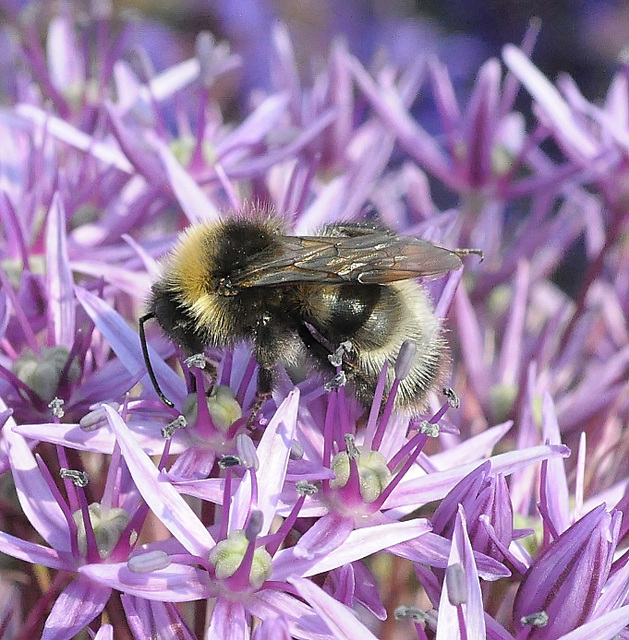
[307, 515]
[561, 588]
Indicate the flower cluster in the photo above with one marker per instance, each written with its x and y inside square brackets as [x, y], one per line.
[498, 514]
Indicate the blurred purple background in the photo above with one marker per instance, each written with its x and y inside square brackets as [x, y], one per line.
[582, 37]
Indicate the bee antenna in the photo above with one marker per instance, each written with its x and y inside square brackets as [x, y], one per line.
[147, 360]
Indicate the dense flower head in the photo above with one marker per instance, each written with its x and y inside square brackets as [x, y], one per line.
[148, 489]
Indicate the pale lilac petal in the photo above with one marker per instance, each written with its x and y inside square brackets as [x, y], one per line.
[449, 623]
[126, 345]
[434, 486]
[550, 100]
[509, 364]
[211, 489]
[109, 382]
[175, 583]
[557, 493]
[257, 165]
[195, 204]
[359, 544]
[65, 132]
[65, 64]
[273, 452]
[302, 621]
[160, 495]
[474, 448]
[415, 140]
[434, 551]
[323, 209]
[79, 603]
[604, 628]
[59, 275]
[134, 283]
[339, 618]
[34, 494]
[446, 102]
[172, 80]
[472, 343]
[194, 462]
[252, 130]
[272, 628]
[106, 632]
[615, 593]
[326, 534]
[228, 621]
[135, 149]
[98, 441]
[481, 119]
[35, 553]
[154, 619]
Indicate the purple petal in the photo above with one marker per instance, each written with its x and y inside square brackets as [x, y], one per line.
[195, 204]
[604, 628]
[65, 61]
[175, 583]
[301, 619]
[172, 80]
[359, 544]
[126, 345]
[434, 550]
[556, 489]
[237, 145]
[273, 452]
[228, 621]
[325, 535]
[65, 132]
[550, 100]
[155, 619]
[194, 463]
[98, 441]
[435, 486]
[481, 123]
[79, 603]
[160, 495]
[339, 618]
[474, 448]
[35, 553]
[389, 106]
[59, 275]
[106, 632]
[449, 623]
[509, 364]
[134, 283]
[34, 494]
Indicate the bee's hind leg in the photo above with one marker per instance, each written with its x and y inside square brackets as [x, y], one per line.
[263, 393]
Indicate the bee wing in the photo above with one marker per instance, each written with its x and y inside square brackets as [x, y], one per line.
[372, 258]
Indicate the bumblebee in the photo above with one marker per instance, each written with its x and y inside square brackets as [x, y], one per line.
[297, 298]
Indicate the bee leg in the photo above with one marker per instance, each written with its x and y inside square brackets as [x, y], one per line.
[322, 354]
[315, 348]
[263, 393]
